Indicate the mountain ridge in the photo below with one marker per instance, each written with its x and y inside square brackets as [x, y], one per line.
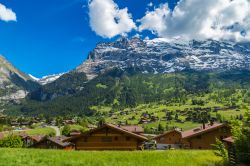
[163, 56]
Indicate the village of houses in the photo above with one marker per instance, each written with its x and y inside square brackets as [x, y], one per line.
[127, 137]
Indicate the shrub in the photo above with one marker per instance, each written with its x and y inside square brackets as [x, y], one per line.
[241, 135]
[66, 130]
[11, 142]
[221, 151]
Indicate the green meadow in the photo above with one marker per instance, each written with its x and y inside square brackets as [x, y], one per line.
[37, 157]
[36, 131]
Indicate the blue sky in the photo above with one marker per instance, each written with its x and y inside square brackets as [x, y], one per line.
[51, 36]
[54, 36]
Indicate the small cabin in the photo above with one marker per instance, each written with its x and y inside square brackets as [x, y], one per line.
[168, 140]
[204, 136]
[54, 143]
[108, 137]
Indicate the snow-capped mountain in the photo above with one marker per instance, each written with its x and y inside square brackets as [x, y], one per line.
[163, 56]
[47, 79]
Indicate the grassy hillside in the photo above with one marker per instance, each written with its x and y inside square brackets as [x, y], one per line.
[107, 158]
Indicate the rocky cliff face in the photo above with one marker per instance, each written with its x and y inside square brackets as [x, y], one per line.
[14, 84]
[161, 56]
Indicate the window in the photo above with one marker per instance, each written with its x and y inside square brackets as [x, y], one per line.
[85, 139]
[116, 138]
[106, 139]
[162, 138]
[127, 138]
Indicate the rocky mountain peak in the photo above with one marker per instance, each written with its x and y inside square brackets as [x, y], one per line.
[165, 56]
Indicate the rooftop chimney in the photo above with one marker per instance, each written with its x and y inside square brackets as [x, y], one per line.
[211, 123]
[203, 125]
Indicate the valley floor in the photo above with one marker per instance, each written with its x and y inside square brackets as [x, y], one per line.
[32, 157]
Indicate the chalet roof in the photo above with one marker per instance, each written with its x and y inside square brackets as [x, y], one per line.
[168, 132]
[112, 127]
[91, 126]
[74, 133]
[38, 138]
[23, 135]
[133, 128]
[59, 140]
[229, 140]
[200, 130]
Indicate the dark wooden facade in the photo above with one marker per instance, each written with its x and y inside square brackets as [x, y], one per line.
[108, 137]
[198, 138]
[204, 137]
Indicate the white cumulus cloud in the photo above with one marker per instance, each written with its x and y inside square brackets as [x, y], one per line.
[200, 19]
[6, 14]
[107, 20]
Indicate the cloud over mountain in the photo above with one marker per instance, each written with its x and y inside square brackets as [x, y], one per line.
[7, 14]
[107, 20]
[199, 19]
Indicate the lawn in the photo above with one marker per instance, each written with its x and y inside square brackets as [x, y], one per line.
[36, 131]
[107, 158]
[45, 131]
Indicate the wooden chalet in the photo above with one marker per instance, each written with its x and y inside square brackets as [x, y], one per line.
[108, 137]
[54, 143]
[198, 138]
[28, 140]
[205, 136]
[168, 140]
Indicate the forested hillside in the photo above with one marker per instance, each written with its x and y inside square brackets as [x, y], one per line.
[119, 90]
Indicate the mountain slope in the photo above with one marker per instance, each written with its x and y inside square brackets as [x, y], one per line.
[127, 73]
[14, 84]
[150, 56]
[120, 89]
[66, 84]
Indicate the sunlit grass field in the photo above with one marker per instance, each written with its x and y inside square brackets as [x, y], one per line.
[36, 157]
[36, 131]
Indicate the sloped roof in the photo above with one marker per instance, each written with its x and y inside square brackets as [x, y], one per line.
[229, 140]
[38, 138]
[161, 135]
[111, 126]
[23, 135]
[200, 130]
[133, 128]
[59, 140]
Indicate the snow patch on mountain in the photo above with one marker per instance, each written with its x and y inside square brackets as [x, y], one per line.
[46, 79]
[165, 56]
